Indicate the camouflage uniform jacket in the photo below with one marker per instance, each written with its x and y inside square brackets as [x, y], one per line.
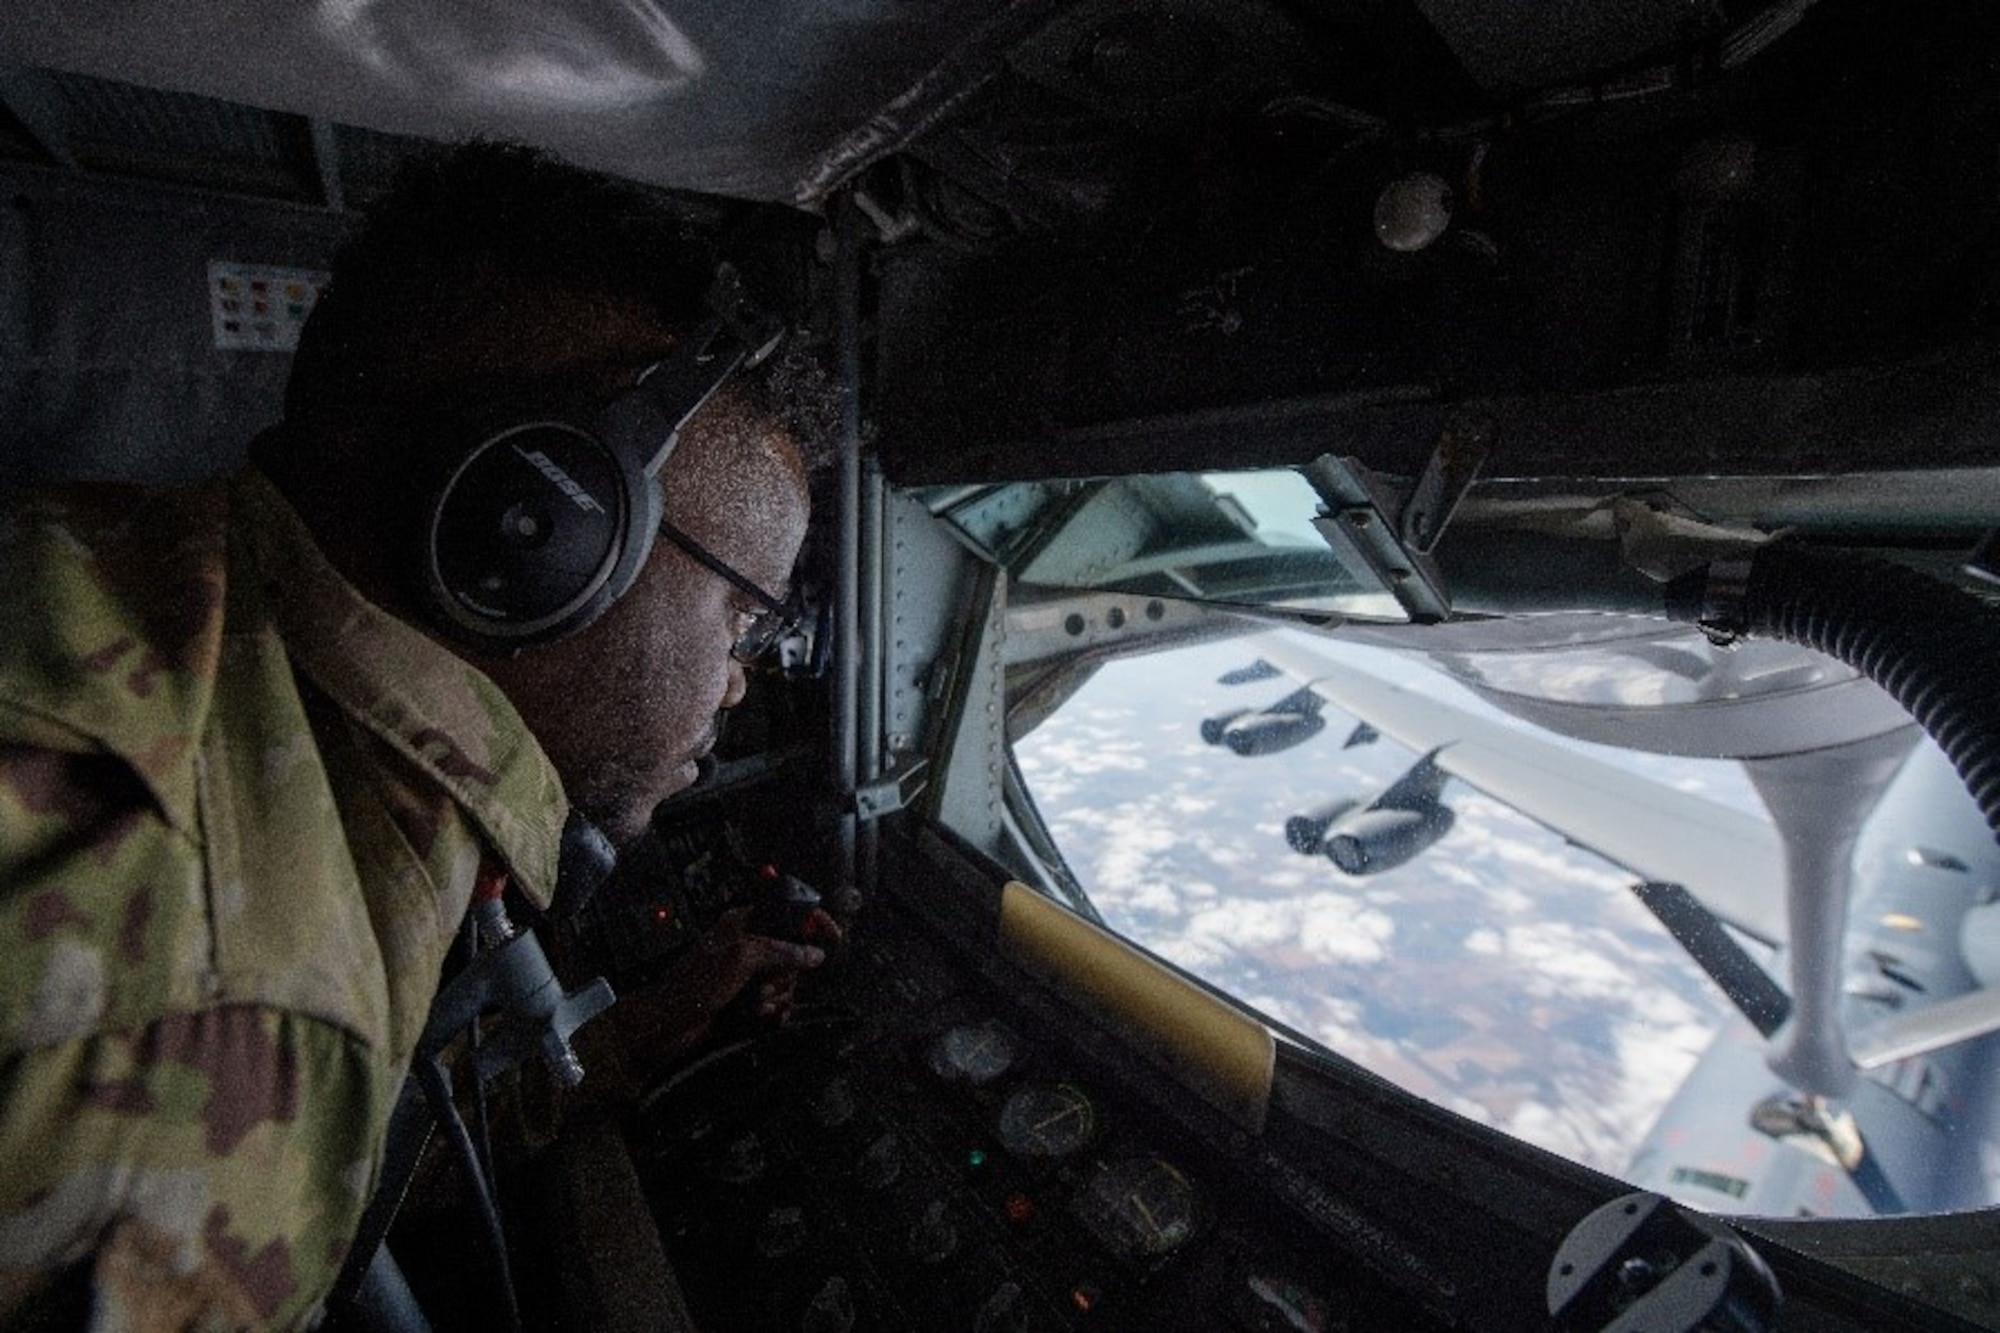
[240, 812]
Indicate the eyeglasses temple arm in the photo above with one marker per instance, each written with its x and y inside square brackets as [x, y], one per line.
[714, 565]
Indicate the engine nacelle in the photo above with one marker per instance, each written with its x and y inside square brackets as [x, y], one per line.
[1307, 832]
[1370, 841]
[1268, 733]
[1213, 727]
[1246, 675]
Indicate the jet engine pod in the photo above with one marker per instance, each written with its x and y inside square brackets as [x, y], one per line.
[1268, 733]
[1307, 832]
[1213, 727]
[1373, 840]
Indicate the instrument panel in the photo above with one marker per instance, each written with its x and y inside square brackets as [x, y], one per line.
[916, 1150]
[903, 1156]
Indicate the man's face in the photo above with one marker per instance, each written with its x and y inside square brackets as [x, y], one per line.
[626, 707]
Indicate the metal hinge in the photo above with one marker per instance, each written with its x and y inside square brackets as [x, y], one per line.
[894, 792]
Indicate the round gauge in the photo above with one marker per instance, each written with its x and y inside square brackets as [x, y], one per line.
[975, 1053]
[735, 1161]
[1138, 1208]
[1046, 1120]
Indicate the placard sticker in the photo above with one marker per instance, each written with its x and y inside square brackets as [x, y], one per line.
[257, 308]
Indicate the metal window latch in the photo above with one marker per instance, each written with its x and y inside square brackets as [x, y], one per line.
[1384, 539]
[1455, 463]
[1984, 562]
[892, 792]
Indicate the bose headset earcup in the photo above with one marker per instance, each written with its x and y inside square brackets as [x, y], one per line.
[538, 530]
[545, 523]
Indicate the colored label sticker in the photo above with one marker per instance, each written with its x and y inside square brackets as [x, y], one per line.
[278, 325]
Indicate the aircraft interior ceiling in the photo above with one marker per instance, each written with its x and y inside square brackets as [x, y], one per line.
[1532, 309]
[1738, 261]
[1638, 239]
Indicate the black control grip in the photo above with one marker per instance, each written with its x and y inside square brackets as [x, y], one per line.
[784, 907]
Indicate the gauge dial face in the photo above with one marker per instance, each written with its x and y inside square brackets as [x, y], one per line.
[1047, 1120]
[1138, 1208]
[975, 1053]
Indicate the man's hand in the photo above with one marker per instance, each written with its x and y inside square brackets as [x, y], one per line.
[670, 1017]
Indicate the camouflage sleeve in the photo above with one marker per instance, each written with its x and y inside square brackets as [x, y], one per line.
[183, 1175]
[168, 1163]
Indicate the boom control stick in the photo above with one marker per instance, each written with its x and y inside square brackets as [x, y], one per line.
[785, 907]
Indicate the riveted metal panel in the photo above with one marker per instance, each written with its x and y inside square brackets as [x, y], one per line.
[944, 678]
[970, 795]
[111, 369]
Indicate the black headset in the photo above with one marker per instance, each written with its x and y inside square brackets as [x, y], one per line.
[544, 522]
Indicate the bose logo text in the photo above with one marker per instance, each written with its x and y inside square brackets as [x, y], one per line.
[565, 483]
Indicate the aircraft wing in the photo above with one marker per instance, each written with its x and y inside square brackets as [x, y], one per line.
[1732, 862]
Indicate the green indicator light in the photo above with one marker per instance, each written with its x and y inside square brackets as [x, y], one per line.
[977, 1157]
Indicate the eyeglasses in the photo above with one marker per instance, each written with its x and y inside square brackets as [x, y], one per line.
[779, 616]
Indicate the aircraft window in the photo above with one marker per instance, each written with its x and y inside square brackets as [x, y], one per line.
[1276, 505]
[1238, 538]
[1495, 967]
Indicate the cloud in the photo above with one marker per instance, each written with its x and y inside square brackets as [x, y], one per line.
[1340, 928]
[1560, 959]
[1157, 899]
[1245, 924]
[1066, 748]
[1504, 974]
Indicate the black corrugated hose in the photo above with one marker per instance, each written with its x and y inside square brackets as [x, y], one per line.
[1934, 648]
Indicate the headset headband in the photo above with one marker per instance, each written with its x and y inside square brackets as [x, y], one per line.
[645, 424]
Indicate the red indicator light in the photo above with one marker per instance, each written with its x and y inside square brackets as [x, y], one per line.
[1084, 1297]
[663, 914]
[1019, 1208]
[768, 871]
